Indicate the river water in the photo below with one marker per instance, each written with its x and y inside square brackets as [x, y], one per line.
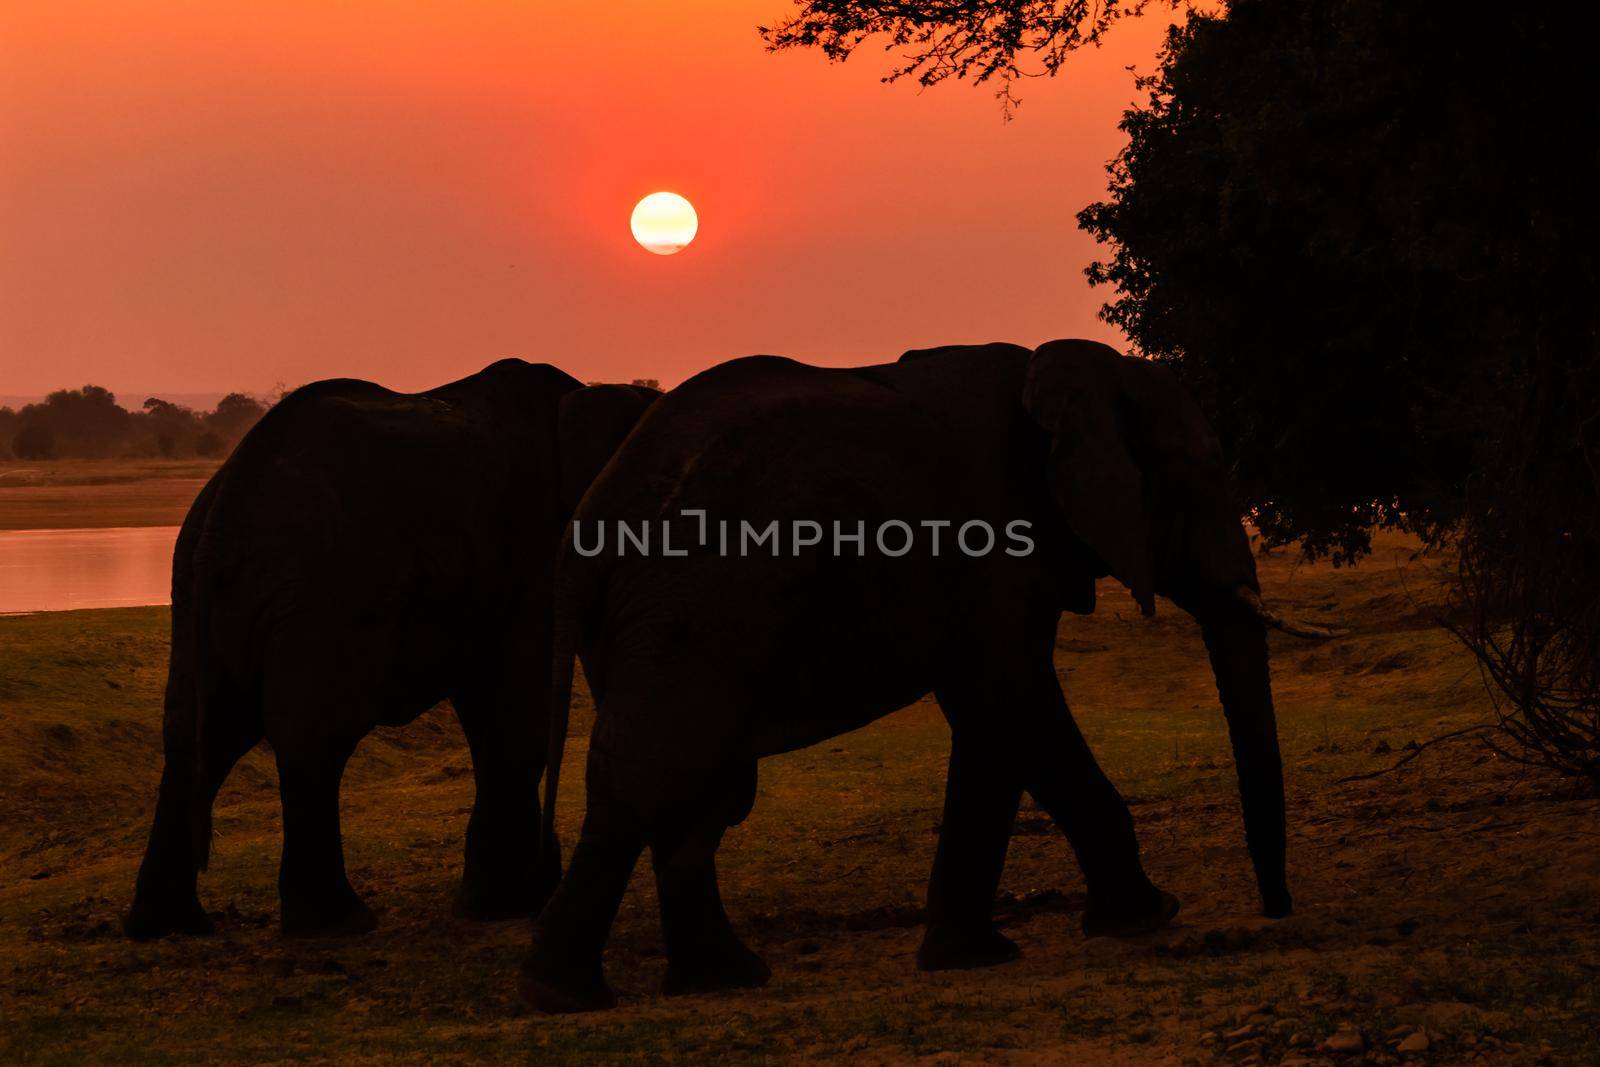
[63, 570]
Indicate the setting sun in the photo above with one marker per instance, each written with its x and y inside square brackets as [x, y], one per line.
[664, 223]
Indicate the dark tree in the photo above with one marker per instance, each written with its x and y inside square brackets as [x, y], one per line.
[163, 425]
[34, 441]
[81, 422]
[10, 423]
[234, 414]
[88, 423]
[1339, 220]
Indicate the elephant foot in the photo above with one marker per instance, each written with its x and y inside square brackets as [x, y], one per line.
[1153, 912]
[1276, 903]
[557, 990]
[345, 916]
[157, 913]
[732, 966]
[963, 949]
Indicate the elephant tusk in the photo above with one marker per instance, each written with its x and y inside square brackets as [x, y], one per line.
[1252, 602]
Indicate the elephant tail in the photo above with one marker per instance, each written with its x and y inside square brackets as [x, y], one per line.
[210, 721]
[180, 841]
[191, 682]
[564, 650]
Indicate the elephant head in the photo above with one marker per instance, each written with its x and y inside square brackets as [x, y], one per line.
[1138, 475]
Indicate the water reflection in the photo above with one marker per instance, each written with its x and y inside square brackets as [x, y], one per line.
[60, 570]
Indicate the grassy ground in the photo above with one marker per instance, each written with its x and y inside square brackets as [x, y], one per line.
[85, 494]
[1458, 898]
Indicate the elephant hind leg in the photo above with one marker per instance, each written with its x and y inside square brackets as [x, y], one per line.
[704, 953]
[166, 898]
[504, 875]
[314, 891]
[982, 793]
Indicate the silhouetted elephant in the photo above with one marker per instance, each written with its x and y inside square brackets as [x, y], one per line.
[703, 663]
[363, 555]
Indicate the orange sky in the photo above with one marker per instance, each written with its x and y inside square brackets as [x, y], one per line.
[199, 196]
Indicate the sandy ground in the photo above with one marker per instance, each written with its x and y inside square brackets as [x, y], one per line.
[1446, 913]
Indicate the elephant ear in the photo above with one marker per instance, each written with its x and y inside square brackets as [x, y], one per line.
[1074, 391]
[593, 421]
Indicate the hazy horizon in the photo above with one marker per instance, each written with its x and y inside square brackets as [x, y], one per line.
[133, 399]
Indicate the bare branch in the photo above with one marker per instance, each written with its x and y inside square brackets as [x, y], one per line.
[1413, 754]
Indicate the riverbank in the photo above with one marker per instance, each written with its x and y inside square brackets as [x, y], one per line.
[1453, 906]
[84, 494]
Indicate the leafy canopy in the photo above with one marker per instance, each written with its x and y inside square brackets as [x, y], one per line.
[978, 40]
[1343, 222]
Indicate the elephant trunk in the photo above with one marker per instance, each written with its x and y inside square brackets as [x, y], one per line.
[1237, 643]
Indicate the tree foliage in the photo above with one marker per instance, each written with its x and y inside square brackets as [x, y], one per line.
[234, 414]
[81, 422]
[34, 441]
[89, 423]
[978, 40]
[168, 425]
[10, 423]
[1337, 219]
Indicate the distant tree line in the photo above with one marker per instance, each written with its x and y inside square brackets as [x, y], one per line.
[648, 383]
[1367, 234]
[88, 423]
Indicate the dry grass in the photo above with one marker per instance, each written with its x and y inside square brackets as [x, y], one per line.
[1460, 895]
[94, 493]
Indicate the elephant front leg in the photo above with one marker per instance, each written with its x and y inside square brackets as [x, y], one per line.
[703, 952]
[1067, 782]
[563, 971]
[981, 798]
